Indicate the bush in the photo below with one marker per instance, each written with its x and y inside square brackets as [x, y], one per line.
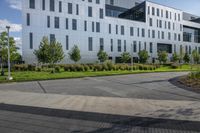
[57, 69]
[21, 67]
[31, 67]
[175, 65]
[86, 68]
[38, 69]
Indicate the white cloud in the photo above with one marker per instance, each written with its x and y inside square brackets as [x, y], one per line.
[18, 41]
[13, 27]
[15, 4]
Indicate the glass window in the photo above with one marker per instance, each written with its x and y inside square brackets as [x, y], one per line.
[124, 45]
[67, 43]
[111, 45]
[77, 9]
[52, 5]
[43, 4]
[74, 24]
[101, 44]
[97, 1]
[70, 8]
[32, 4]
[28, 19]
[110, 29]
[131, 31]
[85, 25]
[134, 46]
[98, 27]
[52, 38]
[138, 32]
[89, 11]
[119, 47]
[90, 43]
[150, 22]
[48, 22]
[153, 33]
[151, 47]
[92, 26]
[31, 40]
[101, 13]
[57, 22]
[143, 32]
[116, 29]
[122, 30]
[153, 11]
[60, 6]
[158, 12]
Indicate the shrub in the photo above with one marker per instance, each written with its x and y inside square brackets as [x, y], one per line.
[174, 65]
[31, 67]
[21, 67]
[38, 69]
[57, 69]
[86, 68]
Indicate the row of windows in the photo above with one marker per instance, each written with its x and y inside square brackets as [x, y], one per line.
[164, 24]
[60, 5]
[160, 13]
[121, 44]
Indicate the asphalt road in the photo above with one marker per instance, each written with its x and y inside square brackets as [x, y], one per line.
[19, 119]
[143, 86]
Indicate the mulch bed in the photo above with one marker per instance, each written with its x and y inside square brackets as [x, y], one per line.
[193, 84]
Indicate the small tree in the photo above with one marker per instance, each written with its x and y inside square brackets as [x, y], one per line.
[186, 58]
[181, 55]
[75, 54]
[175, 57]
[195, 56]
[162, 56]
[125, 57]
[143, 56]
[49, 53]
[102, 56]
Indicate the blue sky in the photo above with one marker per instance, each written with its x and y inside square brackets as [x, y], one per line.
[10, 12]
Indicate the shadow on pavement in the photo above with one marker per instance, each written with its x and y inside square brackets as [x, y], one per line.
[119, 123]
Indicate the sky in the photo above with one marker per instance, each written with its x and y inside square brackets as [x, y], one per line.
[10, 13]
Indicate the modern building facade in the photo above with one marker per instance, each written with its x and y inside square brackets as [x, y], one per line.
[116, 26]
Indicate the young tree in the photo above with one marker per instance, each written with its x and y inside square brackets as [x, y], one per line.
[162, 56]
[143, 56]
[186, 58]
[175, 57]
[181, 54]
[195, 56]
[125, 57]
[75, 54]
[102, 56]
[49, 53]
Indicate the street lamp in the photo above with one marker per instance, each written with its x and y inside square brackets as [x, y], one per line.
[9, 75]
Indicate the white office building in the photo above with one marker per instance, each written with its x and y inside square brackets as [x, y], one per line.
[116, 26]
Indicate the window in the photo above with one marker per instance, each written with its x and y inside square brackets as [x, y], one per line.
[48, 22]
[92, 26]
[122, 30]
[97, 27]
[56, 22]
[143, 32]
[179, 37]
[70, 8]
[31, 40]
[28, 19]
[124, 45]
[145, 46]
[151, 47]
[134, 46]
[169, 36]
[85, 25]
[153, 33]
[167, 14]
[97, 1]
[138, 32]
[101, 13]
[150, 22]
[111, 45]
[32, 4]
[148, 10]
[43, 4]
[52, 38]
[139, 45]
[111, 2]
[169, 25]
[149, 33]
[67, 23]
[89, 11]
[160, 23]
[90, 43]
[153, 11]
[131, 31]
[74, 24]
[52, 5]
[101, 44]
[116, 29]
[89, 0]
[175, 37]
[158, 12]
[163, 35]
[119, 47]
[158, 34]
[110, 30]
[179, 17]
[67, 43]
[77, 9]
[161, 12]
[60, 6]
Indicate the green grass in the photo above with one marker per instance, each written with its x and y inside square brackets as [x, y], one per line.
[34, 76]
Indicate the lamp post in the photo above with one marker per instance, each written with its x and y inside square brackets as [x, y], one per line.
[9, 75]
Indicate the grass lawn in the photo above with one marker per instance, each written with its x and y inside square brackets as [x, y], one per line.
[34, 76]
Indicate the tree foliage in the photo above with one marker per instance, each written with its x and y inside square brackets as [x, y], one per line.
[49, 53]
[125, 57]
[195, 56]
[143, 56]
[175, 57]
[14, 55]
[102, 56]
[75, 54]
[162, 56]
[186, 58]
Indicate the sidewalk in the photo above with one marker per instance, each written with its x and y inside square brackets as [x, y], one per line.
[164, 109]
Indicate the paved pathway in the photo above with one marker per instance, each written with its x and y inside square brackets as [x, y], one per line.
[142, 86]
